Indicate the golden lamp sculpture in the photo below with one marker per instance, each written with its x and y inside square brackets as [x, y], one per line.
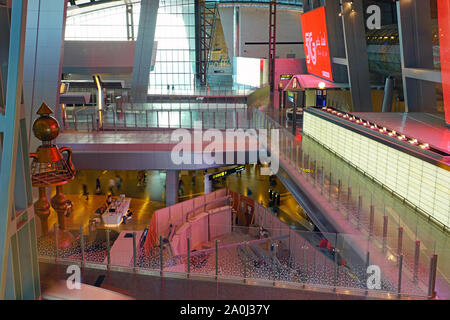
[49, 168]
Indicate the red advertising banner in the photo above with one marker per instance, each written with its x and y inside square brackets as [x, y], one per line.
[315, 42]
[444, 43]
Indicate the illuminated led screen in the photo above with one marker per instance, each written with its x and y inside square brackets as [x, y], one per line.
[315, 39]
[248, 71]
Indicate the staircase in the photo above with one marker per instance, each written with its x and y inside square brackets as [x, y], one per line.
[208, 18]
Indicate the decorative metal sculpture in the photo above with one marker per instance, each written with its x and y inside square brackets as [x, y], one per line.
[49, 168]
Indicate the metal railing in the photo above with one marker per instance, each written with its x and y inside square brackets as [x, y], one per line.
[189, 116]
[267, 252]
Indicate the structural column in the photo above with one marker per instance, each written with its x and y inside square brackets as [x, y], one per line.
[171, 187]
[416, 54]
[356, 53]
[44, 49]
[144, 50]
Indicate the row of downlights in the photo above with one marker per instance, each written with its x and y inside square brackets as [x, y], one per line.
[375, 127]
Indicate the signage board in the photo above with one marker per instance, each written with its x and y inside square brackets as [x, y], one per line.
[315, 39]
[226, 172]
[286, 76]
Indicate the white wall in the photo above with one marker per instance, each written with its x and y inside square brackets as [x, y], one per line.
[89, 57]
[254, 27]
[248, 71]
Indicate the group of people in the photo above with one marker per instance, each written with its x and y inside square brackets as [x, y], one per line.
[142, 178]
[113, 183]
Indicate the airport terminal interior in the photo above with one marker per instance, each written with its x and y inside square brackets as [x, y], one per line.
[225, 149]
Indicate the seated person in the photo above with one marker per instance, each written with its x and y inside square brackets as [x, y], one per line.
[109, 200]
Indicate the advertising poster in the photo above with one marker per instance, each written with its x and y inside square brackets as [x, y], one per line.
[315, 40]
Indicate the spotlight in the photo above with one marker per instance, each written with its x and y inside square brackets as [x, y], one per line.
[392, 133]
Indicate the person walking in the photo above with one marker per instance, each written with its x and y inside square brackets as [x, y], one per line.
[85, 192]
[118, 182]
[98, 188]
[111, 185]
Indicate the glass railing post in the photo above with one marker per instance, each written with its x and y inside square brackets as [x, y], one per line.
[82, 246]
[338, 193]
[134, 252]
[108, 247]
[314, 172]
[273, 247]
[432, 277]
[188, 257]
[365, 273]
[385, 230]
[330, 186]
[217, 258]
[75, 119]
[322, 179]
[349, 198]
[336, 251]
[114, 117]
[304, 266]
[399, 240]
[161, 262]
[400, 269]
[245, 261]
[55, 233]
[371, 220]
[146, 118]
[416, 261]
[358, 216]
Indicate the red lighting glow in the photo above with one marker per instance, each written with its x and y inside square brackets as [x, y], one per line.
[315, 38]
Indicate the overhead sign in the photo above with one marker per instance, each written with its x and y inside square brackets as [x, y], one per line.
[226, 172]
[315, 39]
[286, 76]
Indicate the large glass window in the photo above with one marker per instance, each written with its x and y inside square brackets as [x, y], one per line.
[175, 57]
[175, 36]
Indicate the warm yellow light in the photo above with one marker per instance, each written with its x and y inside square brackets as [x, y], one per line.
[322, 85]
[100, 98]
[62, 89]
